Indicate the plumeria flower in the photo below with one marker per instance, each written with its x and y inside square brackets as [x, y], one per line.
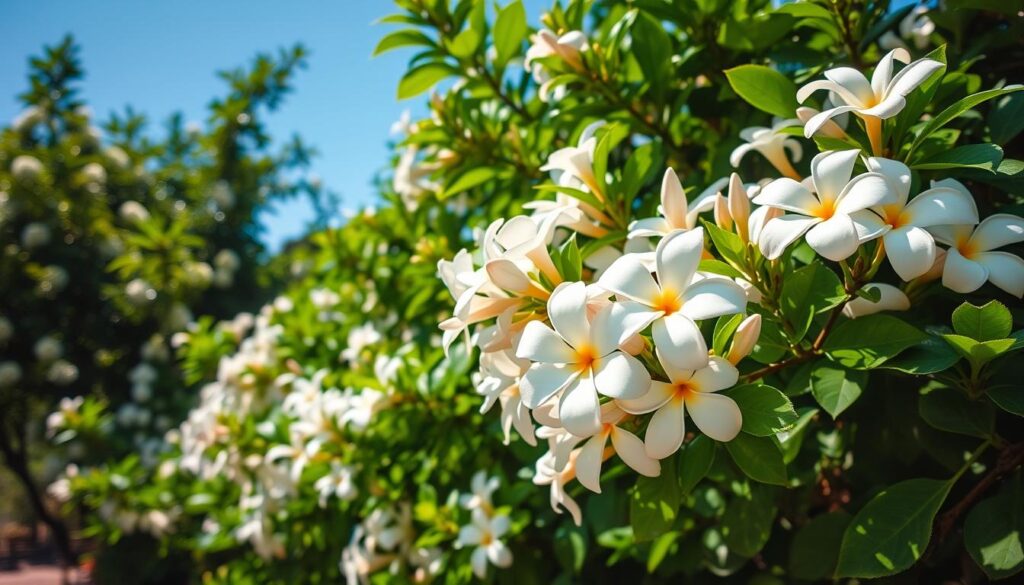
[772, 143]
[547, 44]
[732, 213]
[890, 299]
[830, 129]
[581, 357]
[547, 473]
[881, 98]
[916, 27]
[821, 207]
[337, 483]
[972, 258]
[626, 444]
[482, 487]
[743, 341]
[500, 372]
[676, 213]
[908, 245]
[484, 533]
[676, 299]
[692, 391]
[573, 166]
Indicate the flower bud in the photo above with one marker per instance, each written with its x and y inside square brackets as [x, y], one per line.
[739, 206]
[744, 339]
[723, 218]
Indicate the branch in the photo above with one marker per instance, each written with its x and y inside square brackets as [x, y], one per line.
[1009, 459]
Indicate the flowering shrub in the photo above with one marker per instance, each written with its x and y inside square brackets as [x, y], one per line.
[719, 344]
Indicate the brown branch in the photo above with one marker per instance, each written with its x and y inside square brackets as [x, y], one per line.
[1009, 459]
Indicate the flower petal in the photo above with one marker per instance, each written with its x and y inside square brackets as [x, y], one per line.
[715, 415]
[941, 206]
[785, 193]
[1005, 270]
[673, 199]
[621, 375]
[588, 462]
[631, 451]
[677, 258]
[834, 238]
[780, 232]
[897, 173]
[912, 76]
[579, 410]
[680, 343]
[499, 554]
[666, 430]
[658, 394]
[821, 119]
[831, 172]
[629, 278]
[567, 309]
[713, 297]
[540, 344]
[617, 323]
[890, 299]
[852, 86]
[542, 381]
[911, 251]
[996, 231]
[478, 560]
[962, 275]
[718, 375]
[869, 225]
[864, 191]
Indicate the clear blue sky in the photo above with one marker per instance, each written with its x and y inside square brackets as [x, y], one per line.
[161, 56]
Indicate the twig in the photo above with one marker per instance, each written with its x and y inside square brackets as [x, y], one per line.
[1009, 459]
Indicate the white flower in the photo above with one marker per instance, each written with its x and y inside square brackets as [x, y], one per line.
[48, 349]
[10, 374]
[358, 339]
[402, 124]
[95, 174]
[581, 357]
[139, 292]
[323, 298]
[133, 212]
[28, 118]
[62, 373]
[917, 27]
[547, 473]
[118, 156]
[573, 166]
[485, 534]
[692, 391]
[676, 299]
[772, 143]
[971, 259]
[822, 206]
[337, 483]
[35, 235]
[546, 44]
[911, 248]
[26, 168]
[676, 213]
[227, 259]
[743, 341]
[890, 299]
[482, 487]
[198, 274]
[630, 449]
[879, 99]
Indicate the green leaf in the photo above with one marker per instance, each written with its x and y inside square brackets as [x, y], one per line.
[695, 461]
[727, 244]
[892, 531]
[978, 353]
[509, 30]
[402, 38]
[869, 341]
[949, 114]
[652, 48]
[747, 522]
[1008, 397]
[571, 261]
[654, 503]
[764, 88]
[980, 156]
[422, 78]
[771, 345]
[608, 137]
[989, 321]
[724, 329]
[474, 177]
[766, 411]
[928, 357]
[815, 549]
[949, 410]
[759, 458]
[808, 291]
[465, 43]
[836, 388]
[993, 531]
[718, 267]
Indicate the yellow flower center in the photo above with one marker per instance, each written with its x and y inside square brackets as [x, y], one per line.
[894, 216]
[667, 301]
[826, 209]
[684, 391]
[966, 247]
[586, 358]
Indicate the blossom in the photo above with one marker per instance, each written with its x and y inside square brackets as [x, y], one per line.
[908, 245]
[26, 168]
[337, 483]
[573, 166]
[772, 143]
[821, 207]
[359, 338]
[35, 235]
[630, 449]
[581, 357]
[485, 534]
[972, 259]
[545, 44]
[547, 473]
[916, 27]
[881, 98]
[747, 333]
[133, 212]
[693, 391]
[676, 299]
[48, 349]
[676, 213]
[890, 299]
[500, 372]
[62, 373]
[482, 487]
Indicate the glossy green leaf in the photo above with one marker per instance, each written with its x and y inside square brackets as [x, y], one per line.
[836, 388]
[764, 88]
[509, 30]
[989, 321]
[949, 410]
[759, 458]
[655, 502]
[994, 530]
[766, 411]
[808, 291]
[869, 341]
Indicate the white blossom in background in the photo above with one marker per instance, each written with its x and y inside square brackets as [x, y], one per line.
[28, 119]
[337, 483]
[973, 257]
[10, 373]
[822, 207]
[48, 349]
[62, 372]
[359, 338]
[35, 235]
[566, 47]
[26, 168]
[139, 292]
[773, 144]
[133, 212]
[484, 535]
[482, 488]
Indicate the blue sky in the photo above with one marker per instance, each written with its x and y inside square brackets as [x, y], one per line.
[161, 57]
